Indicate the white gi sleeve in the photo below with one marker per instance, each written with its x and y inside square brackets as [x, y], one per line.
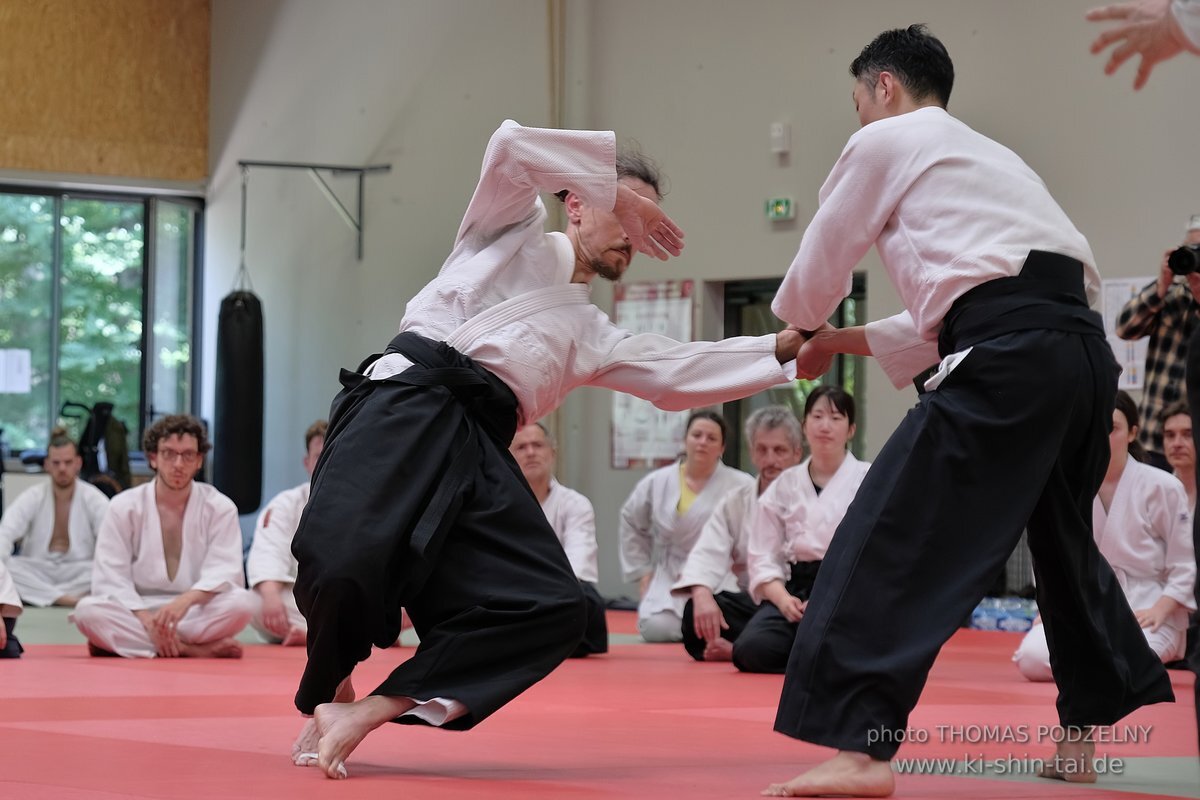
[636, 534]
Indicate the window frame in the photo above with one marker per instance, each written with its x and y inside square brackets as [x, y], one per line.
[739, 293]
[150, 199]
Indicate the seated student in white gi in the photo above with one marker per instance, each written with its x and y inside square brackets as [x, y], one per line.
[663, 517]
[271, 567]
[1144, 530]
[796, 520]
[168, 578]
[714, 578]
[53, 526]
[574, 522]
[1179, 448]
[10, 609]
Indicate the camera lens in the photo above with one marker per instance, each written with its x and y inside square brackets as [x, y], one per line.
[1184, 260]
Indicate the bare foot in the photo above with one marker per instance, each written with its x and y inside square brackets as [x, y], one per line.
[719, 650]
[343, 726]
[1073, 762]
[304, 749]
[221, 648]
[295, 637]
[845, 775]
[99, 652]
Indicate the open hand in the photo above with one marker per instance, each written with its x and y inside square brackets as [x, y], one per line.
[649, 229]
[1147, 29]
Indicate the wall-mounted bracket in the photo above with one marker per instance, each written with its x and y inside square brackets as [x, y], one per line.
[354, 220]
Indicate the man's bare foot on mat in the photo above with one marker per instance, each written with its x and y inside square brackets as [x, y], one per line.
[304, 749]
[1073, 762]
[221, 648]
[845, 775]
[342, 727]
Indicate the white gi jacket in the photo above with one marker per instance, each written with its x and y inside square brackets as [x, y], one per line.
[8, 591]
[795, 524]
[574, 522]
[894, 179]
[271, 556]
[502, 251]
[30, 521]
[656, 538]
[1146, 536]
[130, 566]
[718, 559]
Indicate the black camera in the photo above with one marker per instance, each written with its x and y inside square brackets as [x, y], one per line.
[1185, 260]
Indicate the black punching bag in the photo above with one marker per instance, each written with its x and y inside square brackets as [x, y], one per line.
[238, 438]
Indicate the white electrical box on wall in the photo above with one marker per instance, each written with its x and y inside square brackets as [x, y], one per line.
[781, 138]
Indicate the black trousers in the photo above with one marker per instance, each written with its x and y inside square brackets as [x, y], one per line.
[736, 607]
[1193, 393]
[595, 634]
[417, 503]
[1015, 434]
[767, 641]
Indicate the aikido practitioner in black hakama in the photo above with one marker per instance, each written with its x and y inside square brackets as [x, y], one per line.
[1193, 394]
[416, 501]
[1011, 430]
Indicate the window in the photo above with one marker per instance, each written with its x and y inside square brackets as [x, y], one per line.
[748, 313]
[100, 289]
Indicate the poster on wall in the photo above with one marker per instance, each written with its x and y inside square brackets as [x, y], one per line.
[16, 371]
[642, 435]
[1131, 355]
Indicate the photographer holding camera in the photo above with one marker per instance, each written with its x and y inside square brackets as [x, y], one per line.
[1167, 311]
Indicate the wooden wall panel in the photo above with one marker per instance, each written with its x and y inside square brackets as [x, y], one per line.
[105, 87]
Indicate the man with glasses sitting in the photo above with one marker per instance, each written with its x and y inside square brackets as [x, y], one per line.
[168, 577]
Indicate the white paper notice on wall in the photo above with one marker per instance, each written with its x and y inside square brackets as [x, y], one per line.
[644, 436]
[16, 374]
[1131, 355]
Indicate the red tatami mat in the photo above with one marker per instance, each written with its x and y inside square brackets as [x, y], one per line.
[643, 721]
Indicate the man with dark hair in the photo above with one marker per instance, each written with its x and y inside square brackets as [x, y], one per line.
[417, 502]
[53, 526]
[1179, 448]
[996, 280]
[168, 577]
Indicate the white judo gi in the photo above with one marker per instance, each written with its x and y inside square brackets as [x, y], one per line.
[549, 338]
[574, 521]
[1146, 537]
[656, 538]
[8, 590]
[717, 560]
[504, 298]
[131, 572]
[795, 523]
[42, 576]
[271, 556]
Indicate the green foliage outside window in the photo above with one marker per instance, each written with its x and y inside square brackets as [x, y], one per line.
[94, 350]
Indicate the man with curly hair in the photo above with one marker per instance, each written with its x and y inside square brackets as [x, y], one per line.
[168, 577]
